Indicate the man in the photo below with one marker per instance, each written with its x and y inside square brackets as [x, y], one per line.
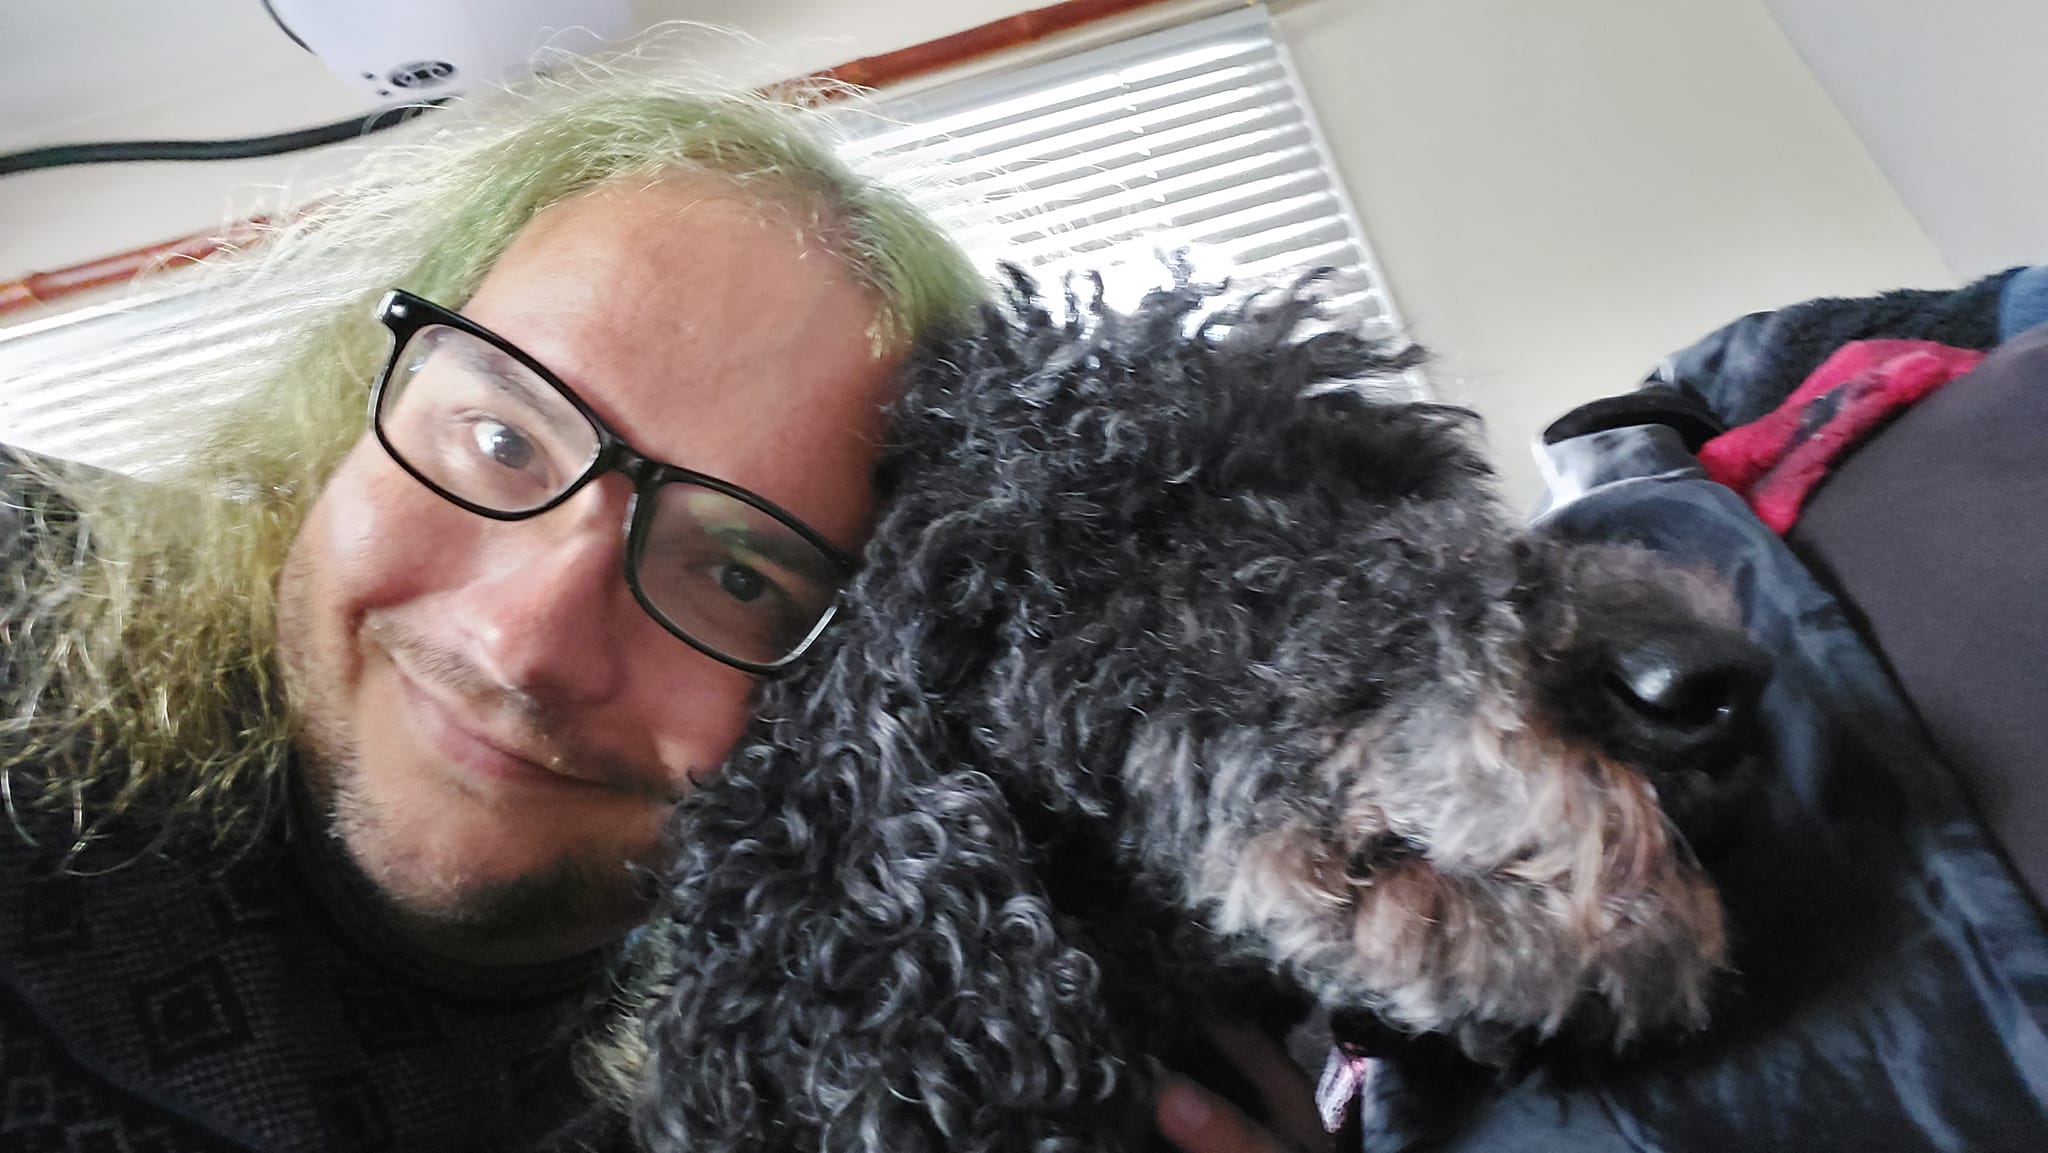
[331, 758]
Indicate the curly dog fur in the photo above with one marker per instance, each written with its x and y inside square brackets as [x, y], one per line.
[1177, 670]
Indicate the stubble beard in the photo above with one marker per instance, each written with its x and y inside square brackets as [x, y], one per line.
[570, 904]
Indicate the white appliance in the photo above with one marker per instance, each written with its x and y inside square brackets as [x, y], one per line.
[401, 51]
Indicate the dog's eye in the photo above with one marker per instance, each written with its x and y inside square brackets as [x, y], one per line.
[1377, 855]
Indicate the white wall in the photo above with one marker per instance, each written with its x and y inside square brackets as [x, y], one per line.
[1953, 102]
[1558, 192]
[1562, 192]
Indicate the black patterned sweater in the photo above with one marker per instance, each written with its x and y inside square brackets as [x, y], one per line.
[194, 1001]
[183, 999]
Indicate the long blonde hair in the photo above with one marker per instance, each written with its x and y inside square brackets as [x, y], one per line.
[139, 619]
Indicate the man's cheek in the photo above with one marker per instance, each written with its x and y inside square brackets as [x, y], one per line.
[692, 745]
[382, 538]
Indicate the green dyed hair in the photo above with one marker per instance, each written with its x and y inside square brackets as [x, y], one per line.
[141, 621]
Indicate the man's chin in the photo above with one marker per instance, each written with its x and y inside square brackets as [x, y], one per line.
[460, 898]
[565, 909]
[509, 879]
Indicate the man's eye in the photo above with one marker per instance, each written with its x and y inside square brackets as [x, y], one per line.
[503, 444]
[741, 583]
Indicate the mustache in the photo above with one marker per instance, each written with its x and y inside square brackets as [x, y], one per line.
[530, 718]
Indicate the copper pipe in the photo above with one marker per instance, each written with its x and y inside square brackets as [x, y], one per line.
[977, 42]
[867, 72]
[42, 287]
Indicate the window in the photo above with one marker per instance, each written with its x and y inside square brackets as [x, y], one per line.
[1195, 137]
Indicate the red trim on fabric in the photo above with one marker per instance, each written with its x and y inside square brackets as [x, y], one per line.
[1776, 461]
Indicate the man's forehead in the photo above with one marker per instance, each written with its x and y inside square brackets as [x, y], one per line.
[699, 323]
[686, 267]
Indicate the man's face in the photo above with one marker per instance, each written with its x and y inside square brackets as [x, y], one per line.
[497, 725]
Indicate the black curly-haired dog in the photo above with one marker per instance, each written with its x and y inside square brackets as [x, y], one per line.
[1175, 673]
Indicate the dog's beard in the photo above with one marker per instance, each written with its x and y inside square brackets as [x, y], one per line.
[1471, 875]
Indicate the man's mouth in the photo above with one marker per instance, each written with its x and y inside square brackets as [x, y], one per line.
[500, 738]
[479, 750]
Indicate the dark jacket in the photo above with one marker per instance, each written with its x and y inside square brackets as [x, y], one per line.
[1890, 987]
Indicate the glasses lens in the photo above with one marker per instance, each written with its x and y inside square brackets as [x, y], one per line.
[481, 426]
[732, 576]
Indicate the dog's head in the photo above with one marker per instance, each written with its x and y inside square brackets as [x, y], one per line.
[1277, 637]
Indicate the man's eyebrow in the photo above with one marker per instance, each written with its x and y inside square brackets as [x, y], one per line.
[784, 548]
[499, 369]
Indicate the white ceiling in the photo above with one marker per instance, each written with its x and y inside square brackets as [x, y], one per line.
[1951, 100]
[74, 69]
[81, 70]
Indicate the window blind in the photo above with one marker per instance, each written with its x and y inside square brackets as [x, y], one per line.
[94, 384]
[1196, 138]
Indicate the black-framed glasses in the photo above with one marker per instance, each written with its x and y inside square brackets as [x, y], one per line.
[490, 429]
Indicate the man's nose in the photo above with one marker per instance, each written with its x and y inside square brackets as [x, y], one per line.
[549, 598]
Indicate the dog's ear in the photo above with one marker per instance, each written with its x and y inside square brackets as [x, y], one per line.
[855, 953]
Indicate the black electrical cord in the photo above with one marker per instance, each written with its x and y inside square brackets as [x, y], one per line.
[282, 26]
[123, 151]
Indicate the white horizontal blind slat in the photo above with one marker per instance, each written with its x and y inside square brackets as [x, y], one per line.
[95, 385]
[1195, 137]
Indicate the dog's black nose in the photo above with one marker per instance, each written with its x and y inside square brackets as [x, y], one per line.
[1691, 685]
